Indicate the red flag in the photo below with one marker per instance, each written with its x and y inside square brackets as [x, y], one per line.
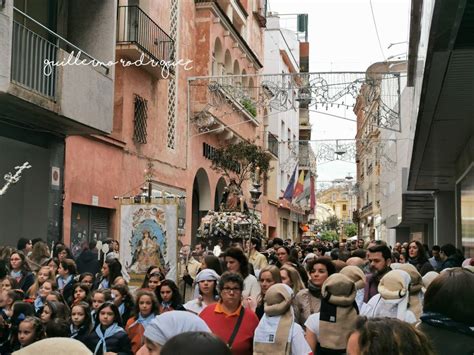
[299, 185]
[312, 200]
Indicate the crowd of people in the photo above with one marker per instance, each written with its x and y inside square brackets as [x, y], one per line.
[314, 297]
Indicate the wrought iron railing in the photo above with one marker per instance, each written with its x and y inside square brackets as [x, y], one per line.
[273, 144]
[303, 153]
[366, 208]
[29, 53]
[136, 27]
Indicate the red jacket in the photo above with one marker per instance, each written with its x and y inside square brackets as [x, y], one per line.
[135, 334]
[223, 326]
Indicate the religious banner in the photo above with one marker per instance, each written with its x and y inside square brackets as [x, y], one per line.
[148, 237]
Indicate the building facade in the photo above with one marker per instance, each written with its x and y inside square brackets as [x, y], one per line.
[282, 56]
[442, 161]
[161, 122]
[40, 103]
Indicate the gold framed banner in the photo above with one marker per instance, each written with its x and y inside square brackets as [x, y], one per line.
[148, 237]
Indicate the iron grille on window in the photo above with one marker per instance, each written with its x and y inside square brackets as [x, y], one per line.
[139, 121]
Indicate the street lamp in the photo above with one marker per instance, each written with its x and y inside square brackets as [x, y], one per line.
[255, 194]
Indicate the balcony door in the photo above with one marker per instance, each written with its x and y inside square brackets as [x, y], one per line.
[43, 11]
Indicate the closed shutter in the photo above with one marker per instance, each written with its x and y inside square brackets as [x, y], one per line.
[99, 223]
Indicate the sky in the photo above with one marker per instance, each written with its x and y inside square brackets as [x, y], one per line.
[343, 37]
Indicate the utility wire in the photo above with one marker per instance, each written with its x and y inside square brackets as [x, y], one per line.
[377, 31]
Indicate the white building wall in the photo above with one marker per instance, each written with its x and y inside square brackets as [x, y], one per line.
[393, 174]
[284, 125]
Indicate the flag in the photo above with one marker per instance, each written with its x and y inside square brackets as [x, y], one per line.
[299, 185]
[304, 198]
[312, 203]
[288, 195]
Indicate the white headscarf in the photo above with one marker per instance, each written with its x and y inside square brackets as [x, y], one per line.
[392, 299]
[205, 275]
[169, 324]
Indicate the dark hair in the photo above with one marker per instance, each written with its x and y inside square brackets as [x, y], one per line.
[12, 281]
[25, 267]
[16, 295]
[154, 302]
[92, 244]
[54, 260]
[257, 242]
[60, 248]
[69, 265]
[87, 314]
[238, 254]
[456, 282]
[22, 242]
[231, 277]
[213, 262]
[448, 249]
[421, 255]
[84, 274]
[331, 268]
[286, 249]
[20, 311]
[385, 250]
[436, 248]
[148, 274]
[335, 254]
[127, 298]
[84, 287]
[114, 308]
[278, 241]
[58, 327]
[361, 253]
[59, 296]
[115, 269]
[196, 343]
[58, 310]
[37, 325]
[384, 335]
[104, 291]
[176, 296]
[202, 244]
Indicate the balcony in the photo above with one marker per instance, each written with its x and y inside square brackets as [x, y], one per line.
[45, 87]
[273, 144]
[261, 13]
[218, 7]
[366, 209]
[139, 37]
[303, 155]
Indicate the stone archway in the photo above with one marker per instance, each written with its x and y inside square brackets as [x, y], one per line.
[201, 201]
[221, 185]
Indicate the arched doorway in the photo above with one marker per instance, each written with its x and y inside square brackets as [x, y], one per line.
[201, 201]
[221, 185]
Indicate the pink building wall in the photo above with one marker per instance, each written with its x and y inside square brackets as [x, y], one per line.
[113, 166]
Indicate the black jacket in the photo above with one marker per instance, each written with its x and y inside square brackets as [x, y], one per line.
[87, 262]
[448, 342]
[26, 281]
[81, 335]
[118, 343]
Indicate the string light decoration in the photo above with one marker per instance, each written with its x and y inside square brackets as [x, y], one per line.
[218, 96]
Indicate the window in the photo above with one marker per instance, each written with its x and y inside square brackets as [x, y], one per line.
[139, 121]
[344, 207]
